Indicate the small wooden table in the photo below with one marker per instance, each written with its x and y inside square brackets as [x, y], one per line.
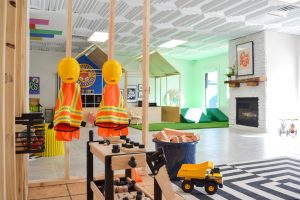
[116, 161]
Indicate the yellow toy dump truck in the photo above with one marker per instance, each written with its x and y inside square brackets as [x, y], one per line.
[201, 175]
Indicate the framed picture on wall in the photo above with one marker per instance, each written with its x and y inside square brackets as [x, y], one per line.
[131, 93]
[140, 95]
[245, 59]
[140, 87]
[49, 113]
[34, 85]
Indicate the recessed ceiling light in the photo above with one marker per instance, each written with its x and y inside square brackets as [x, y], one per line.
[172, 43]
[98, 37]
[290, 1]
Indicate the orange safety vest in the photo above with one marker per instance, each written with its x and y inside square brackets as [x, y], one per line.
[112, 116]
[68, 112]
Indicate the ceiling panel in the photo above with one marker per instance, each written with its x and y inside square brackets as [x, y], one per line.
[204, 24]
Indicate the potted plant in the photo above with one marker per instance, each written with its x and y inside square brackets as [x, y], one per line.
[230, 72]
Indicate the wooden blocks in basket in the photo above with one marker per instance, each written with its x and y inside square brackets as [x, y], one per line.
[175, 136]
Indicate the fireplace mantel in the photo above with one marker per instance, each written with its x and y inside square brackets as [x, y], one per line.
[249, 81]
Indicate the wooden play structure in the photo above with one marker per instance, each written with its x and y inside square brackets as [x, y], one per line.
[161, 71]
[13, 96]
[129, 157]
[14, 101]
[98, 56]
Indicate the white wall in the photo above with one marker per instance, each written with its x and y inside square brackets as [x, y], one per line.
[282, 74]
[248, 91]
[44, 65]
[276, 56]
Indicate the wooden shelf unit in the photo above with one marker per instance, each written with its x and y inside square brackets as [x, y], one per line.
[249, 81]
[115, 161]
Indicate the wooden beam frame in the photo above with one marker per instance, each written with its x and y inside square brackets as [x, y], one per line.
[2, 99]
[111, 28]
[58, 181]
[146, 24]
[10, 69]
[125, 87]
[21, 95]
[68, 54]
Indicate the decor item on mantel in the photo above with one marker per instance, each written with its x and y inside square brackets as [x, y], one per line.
[249, 81]
[245, 59]
[230, 72]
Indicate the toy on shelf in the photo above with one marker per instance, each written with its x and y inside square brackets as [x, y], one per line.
[290, 130]
[112, 117]
[282, 129]
[30, 133]
[175, 136]
[201, 175]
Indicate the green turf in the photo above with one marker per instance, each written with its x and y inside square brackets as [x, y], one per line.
[182, 126]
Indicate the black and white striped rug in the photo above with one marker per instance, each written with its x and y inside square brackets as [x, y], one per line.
[275, 179]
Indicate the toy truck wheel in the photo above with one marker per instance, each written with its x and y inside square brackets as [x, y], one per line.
[211, 188]
[187, 186]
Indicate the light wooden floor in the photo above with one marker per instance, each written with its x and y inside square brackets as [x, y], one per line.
[222, 145]
[74, 191]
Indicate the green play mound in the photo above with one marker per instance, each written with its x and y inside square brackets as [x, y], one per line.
[216, 115]
[193, 115]
[182, 126]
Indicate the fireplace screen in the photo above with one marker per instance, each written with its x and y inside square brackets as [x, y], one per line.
[247, 111]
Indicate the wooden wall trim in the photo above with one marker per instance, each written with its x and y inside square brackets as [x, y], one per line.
[2, 99]
[21, 81]
[146, 35]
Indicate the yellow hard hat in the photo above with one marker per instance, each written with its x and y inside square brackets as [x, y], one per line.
[112, 72]
[68, 69]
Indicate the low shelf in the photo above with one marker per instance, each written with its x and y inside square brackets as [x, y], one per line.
[249, 81]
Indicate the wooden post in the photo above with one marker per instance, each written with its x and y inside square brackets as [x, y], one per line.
[145, 125]
[21, 92]
[167, 99]
[2, 99]
[68, 54]
[69, 30]
[125, 88]
[160, 91]
[180, 91]
[155, 88]
[111, 36]
[9, 109]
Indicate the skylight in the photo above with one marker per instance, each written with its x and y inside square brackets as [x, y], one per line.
[98, 37]
[172, 43]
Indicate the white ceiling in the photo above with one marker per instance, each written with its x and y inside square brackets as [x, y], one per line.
[207, 25]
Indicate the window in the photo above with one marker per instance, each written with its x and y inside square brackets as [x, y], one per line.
[211, 89]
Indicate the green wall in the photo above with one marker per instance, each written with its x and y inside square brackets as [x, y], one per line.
[193, 80]
[185, 68]
[217, 63]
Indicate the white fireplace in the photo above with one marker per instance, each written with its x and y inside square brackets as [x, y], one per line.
[276, 57]
[244, 91]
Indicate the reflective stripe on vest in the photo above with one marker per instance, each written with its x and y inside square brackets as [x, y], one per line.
[68, 106]
[108, 112]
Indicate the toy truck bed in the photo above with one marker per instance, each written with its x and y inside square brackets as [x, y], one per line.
[198, 171]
